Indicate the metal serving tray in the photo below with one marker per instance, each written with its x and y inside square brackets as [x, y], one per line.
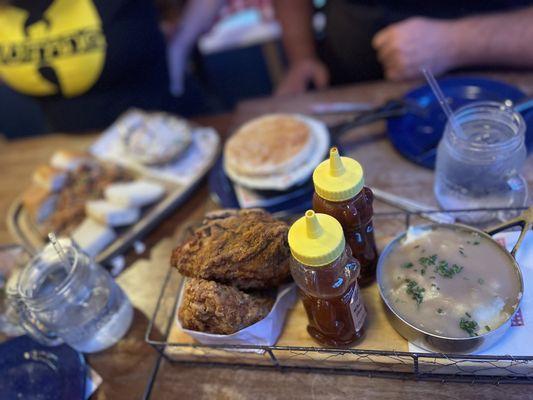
[24, 231]
[382, 353]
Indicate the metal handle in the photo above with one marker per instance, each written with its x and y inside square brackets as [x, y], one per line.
[392, 108]
[30, 324]
[524, 220]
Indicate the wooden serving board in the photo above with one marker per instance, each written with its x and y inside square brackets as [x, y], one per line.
[379, 336]
[295, 348]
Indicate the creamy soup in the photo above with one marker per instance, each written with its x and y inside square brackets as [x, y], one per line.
[453, 283]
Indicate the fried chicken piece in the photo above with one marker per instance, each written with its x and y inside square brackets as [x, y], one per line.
[212, 307]
[86, 182]
[247, 249]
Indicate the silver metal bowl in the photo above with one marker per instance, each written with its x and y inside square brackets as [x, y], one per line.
[441, 344]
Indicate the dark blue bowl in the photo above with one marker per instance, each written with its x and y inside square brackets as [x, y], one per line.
[416, 137]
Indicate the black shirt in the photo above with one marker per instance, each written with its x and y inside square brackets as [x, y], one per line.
[86, 61]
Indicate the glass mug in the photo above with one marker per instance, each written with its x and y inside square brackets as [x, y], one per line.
[76, 302]
[480, 166]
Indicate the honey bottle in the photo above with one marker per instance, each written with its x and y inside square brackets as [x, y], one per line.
[326, 274]
[340, 191]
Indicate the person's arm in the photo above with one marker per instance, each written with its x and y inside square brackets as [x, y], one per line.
[295, 17]
[499, 39]
[197, 18]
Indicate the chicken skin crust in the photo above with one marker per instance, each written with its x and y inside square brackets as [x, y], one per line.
[212, 307]
[247, 249]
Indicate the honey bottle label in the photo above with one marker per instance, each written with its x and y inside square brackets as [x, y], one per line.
[357, 309]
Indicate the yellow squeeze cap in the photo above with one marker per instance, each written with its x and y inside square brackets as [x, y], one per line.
[339, 178]
[316, 239]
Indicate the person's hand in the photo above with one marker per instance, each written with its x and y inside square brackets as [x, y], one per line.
[300, 74]
[405, 47]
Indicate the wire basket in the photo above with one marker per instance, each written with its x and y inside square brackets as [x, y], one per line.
[372, 362]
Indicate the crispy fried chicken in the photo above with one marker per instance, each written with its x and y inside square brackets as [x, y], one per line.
[247, 249]
[212, 307]
[86, 182]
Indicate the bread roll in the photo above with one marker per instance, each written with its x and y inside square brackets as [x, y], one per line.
[157, 139]
[111, 214]
[93, 237]
[134, 194]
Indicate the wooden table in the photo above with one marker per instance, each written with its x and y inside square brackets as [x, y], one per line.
[127, 367]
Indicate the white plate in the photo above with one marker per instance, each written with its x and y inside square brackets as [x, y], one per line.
[299, 174]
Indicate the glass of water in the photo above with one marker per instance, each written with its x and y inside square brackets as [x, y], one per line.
[71, 299]
[480, 167]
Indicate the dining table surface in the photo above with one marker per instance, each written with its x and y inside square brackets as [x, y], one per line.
[132, 369]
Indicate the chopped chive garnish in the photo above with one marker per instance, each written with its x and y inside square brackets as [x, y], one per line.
[407, 265]
[416, 292]
[443, 269]
[427, 261]
[469, 325]
[487, 328]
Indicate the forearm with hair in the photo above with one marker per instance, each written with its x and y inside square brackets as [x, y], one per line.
[503, 39]
[295, 17]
